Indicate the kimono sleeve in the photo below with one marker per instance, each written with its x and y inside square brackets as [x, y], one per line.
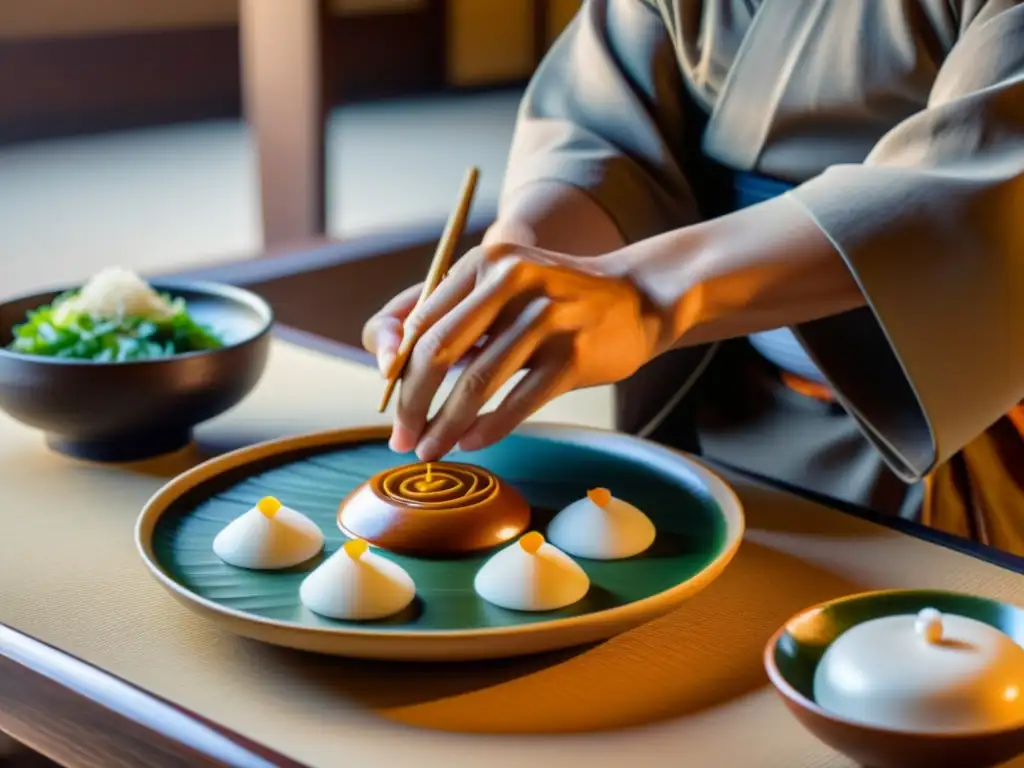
[931, 227]
[604, 113]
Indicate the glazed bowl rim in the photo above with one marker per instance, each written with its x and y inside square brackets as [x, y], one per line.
[231, 293]
[783, 686]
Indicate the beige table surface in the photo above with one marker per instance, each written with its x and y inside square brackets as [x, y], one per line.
[687, 689]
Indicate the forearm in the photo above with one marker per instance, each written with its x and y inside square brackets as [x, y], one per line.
[557, 217]
[764, 267]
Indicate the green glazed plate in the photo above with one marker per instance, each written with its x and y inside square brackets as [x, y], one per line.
[698, 518]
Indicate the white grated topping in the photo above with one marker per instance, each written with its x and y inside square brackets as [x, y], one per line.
[115, 293]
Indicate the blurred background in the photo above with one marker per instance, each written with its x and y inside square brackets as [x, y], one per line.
[170, 133]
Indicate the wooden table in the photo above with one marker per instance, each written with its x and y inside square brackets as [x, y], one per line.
[98, 666]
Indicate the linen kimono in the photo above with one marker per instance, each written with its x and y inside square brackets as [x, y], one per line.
[900, 125]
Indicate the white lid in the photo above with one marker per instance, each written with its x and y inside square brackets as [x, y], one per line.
[925, 673]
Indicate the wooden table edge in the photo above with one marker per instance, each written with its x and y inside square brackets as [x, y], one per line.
[90, 715]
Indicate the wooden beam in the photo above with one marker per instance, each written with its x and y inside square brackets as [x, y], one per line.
[284, 89]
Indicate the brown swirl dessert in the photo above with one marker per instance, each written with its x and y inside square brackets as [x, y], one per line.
[434, 509]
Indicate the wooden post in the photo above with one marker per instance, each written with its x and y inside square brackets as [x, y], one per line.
[283, 88]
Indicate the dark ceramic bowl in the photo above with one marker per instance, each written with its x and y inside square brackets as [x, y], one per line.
[792, 656]
[128, 411]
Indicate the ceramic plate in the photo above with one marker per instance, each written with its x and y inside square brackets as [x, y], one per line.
[698, 517]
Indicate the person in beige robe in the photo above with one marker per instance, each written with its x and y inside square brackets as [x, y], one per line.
[842, 183]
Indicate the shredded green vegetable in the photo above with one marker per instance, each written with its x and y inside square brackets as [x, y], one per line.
[79, 336]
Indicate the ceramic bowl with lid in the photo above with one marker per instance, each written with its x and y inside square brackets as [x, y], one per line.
[906, 678]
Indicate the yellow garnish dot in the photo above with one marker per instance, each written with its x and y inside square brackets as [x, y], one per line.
[268, 506]
[531, 542]
[600, 496]
[355, 548]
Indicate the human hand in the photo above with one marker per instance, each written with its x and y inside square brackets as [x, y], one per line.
[570, 322]
[382, 333]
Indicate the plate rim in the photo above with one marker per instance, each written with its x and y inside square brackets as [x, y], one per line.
[671, 461]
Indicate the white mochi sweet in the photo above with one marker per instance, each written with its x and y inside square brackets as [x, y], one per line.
[531, 575]
[356, 584]
[270, 536]
[601, 527]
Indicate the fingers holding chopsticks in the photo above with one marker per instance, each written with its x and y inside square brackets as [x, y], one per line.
[447, 327]
[561, 318]
[439, 267]
[506, 351]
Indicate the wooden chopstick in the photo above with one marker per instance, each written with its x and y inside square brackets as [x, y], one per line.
[439, 267]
